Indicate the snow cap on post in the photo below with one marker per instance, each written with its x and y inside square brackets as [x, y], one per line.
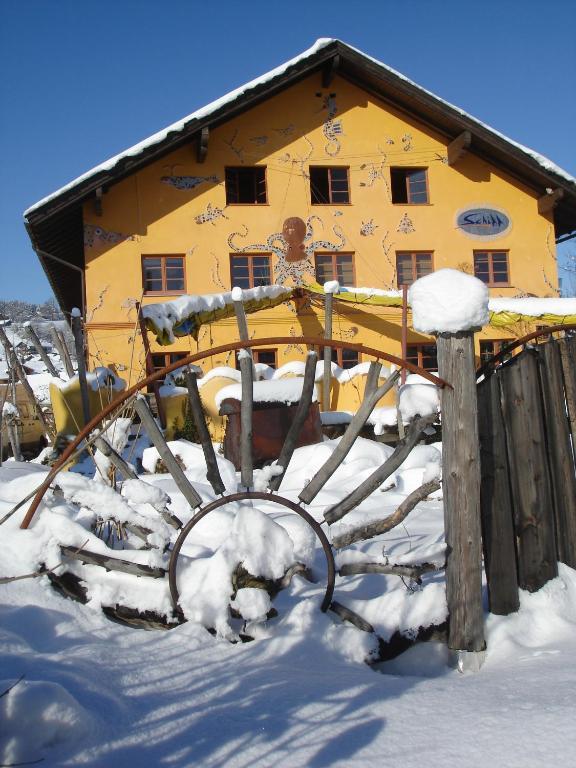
[332, 286]
[448, 301]
[237, 294]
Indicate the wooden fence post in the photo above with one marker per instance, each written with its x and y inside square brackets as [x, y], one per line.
[461, 490]
[62, 351]
[33, 336]
[327, 352]
[81, 363]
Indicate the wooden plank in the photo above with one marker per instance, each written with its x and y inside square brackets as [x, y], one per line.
[125, 468]
[327, 352]
[21, 374]
[202, 146]
[560, 456]
[57, 341]
[78, 333]
[33, 336]
[529, 473]
[246, 469]
[212, 473]
[568, 354]
[375, 480]
[299, 419]
[496, 502]
[66, 354]
[154, 433]
[346, 441]
[372, 378]
[112, 563]
[458, 146]
[461, 491]
[549, 201]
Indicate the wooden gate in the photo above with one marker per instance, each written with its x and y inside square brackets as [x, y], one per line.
[527, 427]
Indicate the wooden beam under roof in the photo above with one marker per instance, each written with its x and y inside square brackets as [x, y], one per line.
[549, 201]
[458, 147]
[202, 147]
[329, 70]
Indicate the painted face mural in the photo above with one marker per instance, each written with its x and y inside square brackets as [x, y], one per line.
[294, 232]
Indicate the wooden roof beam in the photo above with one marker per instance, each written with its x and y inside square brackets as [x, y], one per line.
[457, 148]
[202, 146]
[329, 70]
[550, 200]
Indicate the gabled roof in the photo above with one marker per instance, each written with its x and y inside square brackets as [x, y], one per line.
[55, 222]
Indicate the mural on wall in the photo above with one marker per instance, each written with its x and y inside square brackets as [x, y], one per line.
[211, 214]
[293, 347]
[276, 243]
[407, 142]
[238, 151]
[215, 273]
[377, 172]
[332, 129]
[187, 182]
[299, 160]
[368, 228]
[259, 141]
[97, 235]
[288, 130]
[406, 226]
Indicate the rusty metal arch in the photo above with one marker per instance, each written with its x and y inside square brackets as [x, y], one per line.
[316, 527]
[132, 391]
[489, 365]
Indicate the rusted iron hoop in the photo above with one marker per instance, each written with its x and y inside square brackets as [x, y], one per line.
[196, 357]
[242, 497]
[489, 365]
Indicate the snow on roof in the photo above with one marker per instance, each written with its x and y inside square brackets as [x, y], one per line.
[208, 109]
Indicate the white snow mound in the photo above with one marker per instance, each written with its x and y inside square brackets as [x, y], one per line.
[448, 301]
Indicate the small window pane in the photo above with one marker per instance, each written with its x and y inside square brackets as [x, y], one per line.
[345, 270]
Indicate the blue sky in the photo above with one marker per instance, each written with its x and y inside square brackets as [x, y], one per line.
[82, 80]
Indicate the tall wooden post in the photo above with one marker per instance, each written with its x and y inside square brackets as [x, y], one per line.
[461, 483]
[327, 376]
[33, 336]
[62, 351]
[81, 363]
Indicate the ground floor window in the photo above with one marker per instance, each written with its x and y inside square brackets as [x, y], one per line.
[250, 270]
[491, 347]
[334, 266]
[266, 357]
[163, 274]
[422, 355]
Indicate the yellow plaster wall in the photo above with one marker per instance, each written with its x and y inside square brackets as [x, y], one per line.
[287, 134]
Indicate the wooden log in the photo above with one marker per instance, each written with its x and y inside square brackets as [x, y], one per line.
[13, 438]
[20, 373]
[125, 468]
[112, 563]
[149, 364]
[66, 353]
[347, 440]
[60, 347]
[375, 480]
[212, 473]
[568, 353]
[154, 433]
[246, 367]
[372, 378]
[461, 483]
[299, 419]
[390, 569]
[378, 527]
[529, 473]
[327, 351]
[78, 334]
[496, 502]
[560, 456]
[347, 614]
[37, 344]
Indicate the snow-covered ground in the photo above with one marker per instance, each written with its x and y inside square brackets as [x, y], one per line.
[97, 693]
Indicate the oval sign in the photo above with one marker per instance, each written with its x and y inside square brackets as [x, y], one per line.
[483, 222]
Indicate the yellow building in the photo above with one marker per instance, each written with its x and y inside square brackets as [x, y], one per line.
[390, 181]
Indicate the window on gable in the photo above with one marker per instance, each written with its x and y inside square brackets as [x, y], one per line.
[335, 266]
[409, 186]
[411, 265]
[422, 355]
[491, 267]
[246, 185]
[329, 185]
[163, 274]
[249, 270]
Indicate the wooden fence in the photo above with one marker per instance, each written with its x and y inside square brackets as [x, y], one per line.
[527, 431]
